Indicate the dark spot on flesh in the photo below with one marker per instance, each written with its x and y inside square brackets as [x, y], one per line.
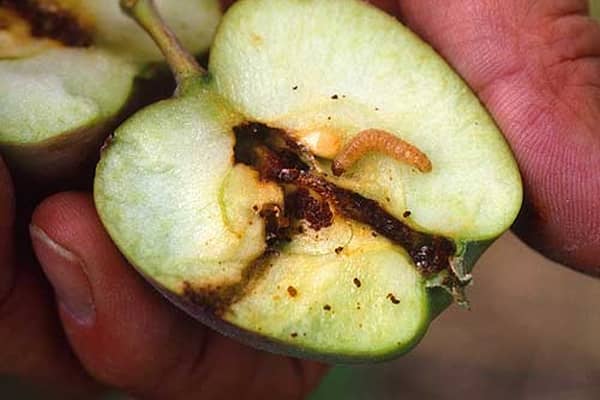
[295, 88]
[392, 298]
[376, 108]
[357, 282]
[303, 206]
[276, 224]
[251, 149]
[218, 298]
[406, 214]
[329, 118]
[327, 307]
[299, 204]
[292, 291]
[255, 208]
[431, 253]
[374, 234]
[338, 250]
[47, 19]
[294, 334]
[278, 160]
[334, 97]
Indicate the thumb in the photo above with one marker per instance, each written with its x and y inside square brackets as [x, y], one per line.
[32, 345]
[128, 337]
[536, 66]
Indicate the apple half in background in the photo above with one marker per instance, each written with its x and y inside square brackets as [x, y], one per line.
[224, 197]
[68, 73]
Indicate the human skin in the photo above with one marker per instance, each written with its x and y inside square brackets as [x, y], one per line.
[535, 65]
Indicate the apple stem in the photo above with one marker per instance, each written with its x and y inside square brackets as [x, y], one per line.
[183, 65]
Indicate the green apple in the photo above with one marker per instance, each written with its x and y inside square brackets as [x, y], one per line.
[224, 196]
[67, 75]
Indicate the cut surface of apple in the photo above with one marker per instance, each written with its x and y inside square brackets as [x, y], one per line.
[224, 196]
[67, 74]
[62, 75]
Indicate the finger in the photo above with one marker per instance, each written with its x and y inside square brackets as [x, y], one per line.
[32, 344]
[536, 66]
[129, 337]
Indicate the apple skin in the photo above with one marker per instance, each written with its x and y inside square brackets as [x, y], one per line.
[61, 157]
[439, 301]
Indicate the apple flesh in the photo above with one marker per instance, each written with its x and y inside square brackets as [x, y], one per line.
[224, 199]
[68, 74]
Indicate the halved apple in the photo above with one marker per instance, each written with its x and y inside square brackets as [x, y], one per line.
[67, 75]
[225, 199]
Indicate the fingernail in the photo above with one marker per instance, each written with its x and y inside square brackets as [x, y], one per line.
[66, 272]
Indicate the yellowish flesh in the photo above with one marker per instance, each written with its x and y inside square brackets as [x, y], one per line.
[339, 303]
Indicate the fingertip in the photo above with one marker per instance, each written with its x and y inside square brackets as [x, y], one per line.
[120, 328]
[61, 215]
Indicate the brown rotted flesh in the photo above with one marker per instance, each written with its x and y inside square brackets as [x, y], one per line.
[48, 20]
[258, 146]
